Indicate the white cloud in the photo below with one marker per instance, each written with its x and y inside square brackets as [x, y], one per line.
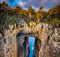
[54, 0]
[43, 2]
[36, 8]
[23, 3]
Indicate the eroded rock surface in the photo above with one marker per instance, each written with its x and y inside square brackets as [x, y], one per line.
[49, 45]
[47, 41]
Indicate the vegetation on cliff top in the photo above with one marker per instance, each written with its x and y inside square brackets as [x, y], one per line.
[10, 16]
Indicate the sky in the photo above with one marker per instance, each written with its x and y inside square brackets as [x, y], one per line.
[47, 4]
[31, 42]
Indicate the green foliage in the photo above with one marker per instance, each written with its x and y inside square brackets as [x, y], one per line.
[29, 25]
[0, 5]
[0, 30]
[21, 26]
[54, 39]
[12, 16]
[18, 9]
[48, 38]
[59, 34]
[30, 11]
[41, 8]
[48, 28]
[4, 40]
[6, 27]
[13, 28]
[59, 56]
[16, 26]
[11, 31]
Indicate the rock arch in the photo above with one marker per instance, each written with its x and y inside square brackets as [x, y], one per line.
[40, 32]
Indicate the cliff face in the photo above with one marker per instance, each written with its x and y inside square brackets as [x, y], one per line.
[1, 46]
[10, 45]
[48, 44]
[23, 46]
[26, 47]
[37, 46]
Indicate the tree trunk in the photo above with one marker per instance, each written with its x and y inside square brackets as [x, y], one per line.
[38, 19]
[30, 15]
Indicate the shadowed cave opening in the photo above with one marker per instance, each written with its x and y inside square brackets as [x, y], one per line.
[31, 43]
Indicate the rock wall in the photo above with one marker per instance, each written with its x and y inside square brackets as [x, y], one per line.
[37, 46]
[1, 46]
[26, 47]
[48, 44]
[23, 46]
[10, 45]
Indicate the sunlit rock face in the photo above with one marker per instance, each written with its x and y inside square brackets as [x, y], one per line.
[49, 45]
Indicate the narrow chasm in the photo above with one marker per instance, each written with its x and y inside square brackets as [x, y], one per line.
[31, 42]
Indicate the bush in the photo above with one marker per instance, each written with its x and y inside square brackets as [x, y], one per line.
[59, 34]
[48, 38]
[4, 40]
[0, 30]
[59, 56]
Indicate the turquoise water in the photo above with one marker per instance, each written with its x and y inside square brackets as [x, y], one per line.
[31, 41]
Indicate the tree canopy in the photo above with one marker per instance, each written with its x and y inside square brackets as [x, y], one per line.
[30, 11]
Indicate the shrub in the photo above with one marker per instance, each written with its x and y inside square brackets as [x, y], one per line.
[4, 40]
[17, 26]
[0, 30]
[48, 38]
[48, 28]
[54, 39]
[59, 56]
[59, 34]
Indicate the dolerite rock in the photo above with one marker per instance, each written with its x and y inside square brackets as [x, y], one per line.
[1, 46]
[49, 46]
[26, 47]
[37, 46]
[23, 46]
[1, 37]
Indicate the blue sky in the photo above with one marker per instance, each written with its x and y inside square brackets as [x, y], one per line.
[31, 42]
[47, 4]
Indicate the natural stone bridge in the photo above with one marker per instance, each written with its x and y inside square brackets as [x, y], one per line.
[17, 41]
[23, 34]
[34, 31]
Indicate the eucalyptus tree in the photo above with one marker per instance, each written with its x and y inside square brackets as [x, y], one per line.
[25, 13]
[41, 8]
[39, 15]
[18, 9]
[0, 6]
[4, 6]
[30, 11]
